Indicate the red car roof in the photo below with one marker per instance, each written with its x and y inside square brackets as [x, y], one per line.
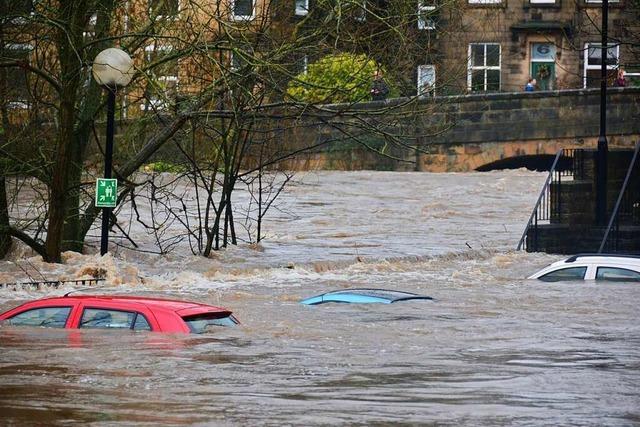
[168, 304]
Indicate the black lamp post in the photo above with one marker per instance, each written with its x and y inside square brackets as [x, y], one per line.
[112, 69]
[601, 163]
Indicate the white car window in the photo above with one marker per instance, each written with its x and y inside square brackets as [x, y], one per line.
[571, 273]
[617, 274]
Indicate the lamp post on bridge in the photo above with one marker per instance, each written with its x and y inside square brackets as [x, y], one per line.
[603, 146]
[112, 69]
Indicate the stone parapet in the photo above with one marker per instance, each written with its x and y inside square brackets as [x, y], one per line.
[487, 129]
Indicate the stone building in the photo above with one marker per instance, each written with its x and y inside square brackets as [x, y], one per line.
[456, 46]
[556, 42]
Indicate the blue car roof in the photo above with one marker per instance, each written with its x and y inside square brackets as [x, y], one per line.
[364, 296]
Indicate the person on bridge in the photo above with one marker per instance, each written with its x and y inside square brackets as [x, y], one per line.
[531, 85]
[620, 80]
[379, 88]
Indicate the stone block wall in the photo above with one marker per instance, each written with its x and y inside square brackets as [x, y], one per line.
[485, 129]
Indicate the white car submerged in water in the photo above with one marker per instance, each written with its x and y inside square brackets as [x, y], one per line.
[620, 268]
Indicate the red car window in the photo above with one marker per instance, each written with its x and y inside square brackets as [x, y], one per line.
[103, 318]
[50, 317]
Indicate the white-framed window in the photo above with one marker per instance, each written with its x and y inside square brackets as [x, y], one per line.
[600, 1]
[632, 77]
[164, 8]
[485, 1]
[236, 61]
[302, 65]
[593, 62]
[542, 1]
[426, 9]
[361, 10]
[91, 26]
[302, 7]
[18, 92]
[426, 80]
[162, 87]
[242, 10]
[19, 10]
[484, 67]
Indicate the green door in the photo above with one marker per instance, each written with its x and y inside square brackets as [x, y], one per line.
[544, 73]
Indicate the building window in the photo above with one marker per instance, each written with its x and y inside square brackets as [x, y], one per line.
[593, 63]
[238, 61]
[485, 1]
[542, 1]
[162, 86]
[484, 67]
[14, 8]
[91, 26]
[242, 9]
[302, 7]
[426, 80]
[164, 8]
[600, 1]
[302, 65]
[426, 11]
[360, 10]
[17, 11]
[18, 93]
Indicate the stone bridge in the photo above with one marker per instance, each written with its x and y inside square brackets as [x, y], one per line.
[504, 130]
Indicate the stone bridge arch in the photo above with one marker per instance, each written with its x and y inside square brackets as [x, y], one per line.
[534, 155]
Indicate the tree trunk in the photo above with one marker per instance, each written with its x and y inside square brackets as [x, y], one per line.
[5, 237]
[67, 144]
[91, 103]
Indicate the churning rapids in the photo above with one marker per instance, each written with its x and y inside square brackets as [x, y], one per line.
[491, 349]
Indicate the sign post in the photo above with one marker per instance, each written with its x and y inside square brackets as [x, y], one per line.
[106, 192]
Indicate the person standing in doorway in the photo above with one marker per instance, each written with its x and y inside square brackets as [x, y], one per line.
[379, 88]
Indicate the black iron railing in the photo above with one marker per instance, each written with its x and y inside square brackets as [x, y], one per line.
[548, 207]
[50, 283]
[627, 207]
[542, 208]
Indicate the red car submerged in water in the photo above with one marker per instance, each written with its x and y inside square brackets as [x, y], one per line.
[119, 312]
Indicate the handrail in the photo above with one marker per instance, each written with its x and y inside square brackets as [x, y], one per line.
[51, 283]
[535, 208]
[614, 214]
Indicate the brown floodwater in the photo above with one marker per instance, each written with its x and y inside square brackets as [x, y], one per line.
[492, 348]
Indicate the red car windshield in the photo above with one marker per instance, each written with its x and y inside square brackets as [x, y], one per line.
[202, 323]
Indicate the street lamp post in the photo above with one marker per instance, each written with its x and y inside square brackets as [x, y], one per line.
[112, 69]
[603, 148]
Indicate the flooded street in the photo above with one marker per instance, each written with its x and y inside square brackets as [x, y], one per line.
[492, 348]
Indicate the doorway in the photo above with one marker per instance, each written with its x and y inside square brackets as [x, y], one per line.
[543, 65]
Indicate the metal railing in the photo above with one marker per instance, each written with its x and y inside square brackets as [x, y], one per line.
[542, 208]
[50, 283]
[627, 208]
[576, 158]
[548, 207]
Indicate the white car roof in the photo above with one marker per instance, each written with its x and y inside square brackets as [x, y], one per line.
[602, 258]
[582, 260]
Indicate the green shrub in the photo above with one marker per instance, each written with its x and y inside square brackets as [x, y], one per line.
[344, 77]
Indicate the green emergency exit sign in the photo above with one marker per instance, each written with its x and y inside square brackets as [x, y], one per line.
[106, 192]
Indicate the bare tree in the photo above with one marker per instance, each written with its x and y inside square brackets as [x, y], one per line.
[210, 95]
